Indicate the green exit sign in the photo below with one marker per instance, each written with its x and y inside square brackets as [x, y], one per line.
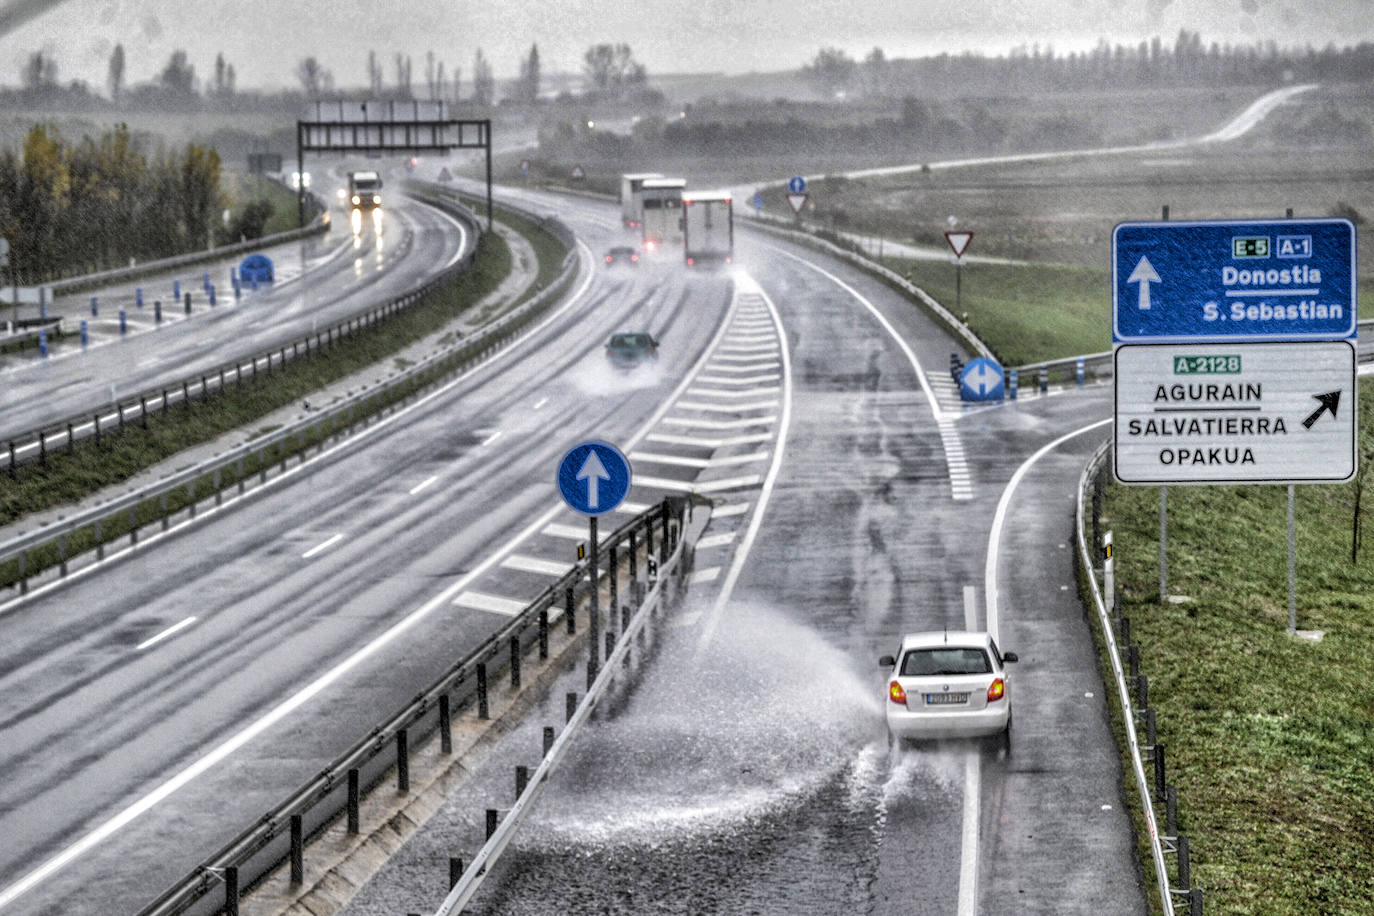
[1252, 247]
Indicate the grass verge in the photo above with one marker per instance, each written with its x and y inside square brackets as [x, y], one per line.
[1269, 738]
[70, 476]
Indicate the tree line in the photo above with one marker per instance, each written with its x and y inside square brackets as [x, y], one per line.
[1187, 61]
[67, 208]
[608, 69]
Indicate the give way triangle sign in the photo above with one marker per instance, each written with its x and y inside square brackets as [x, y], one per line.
[958, 241]
[797, 201]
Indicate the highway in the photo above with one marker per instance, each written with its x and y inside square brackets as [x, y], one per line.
[320, 280]
[154, 708]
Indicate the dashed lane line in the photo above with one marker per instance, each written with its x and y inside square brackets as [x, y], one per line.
[478, 601]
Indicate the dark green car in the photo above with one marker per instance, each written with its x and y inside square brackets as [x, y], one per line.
[626, 351]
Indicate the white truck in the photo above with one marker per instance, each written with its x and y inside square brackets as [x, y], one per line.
[364, 190]
[662, 213]
[631, 201]
[708, 228]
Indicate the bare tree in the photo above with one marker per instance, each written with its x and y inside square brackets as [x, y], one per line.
[374, 74]
[115, 79]
[527, 87]
[612, 69]
[431, 75]
[483, 84]
[40, 72]
[312, 76]
[403, 75]
[831, 70]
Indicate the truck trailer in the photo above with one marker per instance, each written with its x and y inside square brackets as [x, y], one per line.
[631, 199]
[662, 229]
[708, 228]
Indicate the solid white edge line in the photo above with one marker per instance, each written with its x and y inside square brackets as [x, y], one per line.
[98, 835]
[423, 484]
[174, 628]
[968, 853]
[766, 491]
[321, 548]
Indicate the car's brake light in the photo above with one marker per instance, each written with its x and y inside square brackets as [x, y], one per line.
[895, 693]
[609, 259]
[690, 262]
[996, 690]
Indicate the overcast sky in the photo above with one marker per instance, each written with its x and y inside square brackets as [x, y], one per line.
[264, 39]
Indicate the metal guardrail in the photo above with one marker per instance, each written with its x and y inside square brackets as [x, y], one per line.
[783, 227]
[1160, 843]
[66, 432]
[318, 226]
[89, 531]
[338, 789]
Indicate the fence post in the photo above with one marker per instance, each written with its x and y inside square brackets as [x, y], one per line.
[491, 821]
[455, 871]
[482, 711]
[353, 819]
[522, 779]
[544, 635]
[569, 706]
[567, 596]
[1157, 755]
[1185, 867]
[445, 726]
[402, 762]
[297, 850]
[515, 662]
[231, 891]
[548, 739]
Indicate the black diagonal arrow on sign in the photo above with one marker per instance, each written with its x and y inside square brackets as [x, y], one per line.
[1329, 402]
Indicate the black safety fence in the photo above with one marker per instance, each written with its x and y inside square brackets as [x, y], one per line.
[1145, 751]
[127, 522]
[596, 598]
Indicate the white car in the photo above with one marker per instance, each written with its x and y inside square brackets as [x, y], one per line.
[948, 684]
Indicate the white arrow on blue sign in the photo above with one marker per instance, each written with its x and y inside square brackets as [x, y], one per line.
[1234, 280]
[797, 185]
[981, 380]
[594, 478]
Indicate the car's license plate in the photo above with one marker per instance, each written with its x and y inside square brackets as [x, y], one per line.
[945, 699]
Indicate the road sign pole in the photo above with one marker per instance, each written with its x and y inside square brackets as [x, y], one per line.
[1292, 569]
[1163, 544]
[959, 288]
[594, 615]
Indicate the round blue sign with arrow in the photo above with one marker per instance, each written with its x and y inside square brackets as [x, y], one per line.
[797, 185]
[594, 478]
[981, 380]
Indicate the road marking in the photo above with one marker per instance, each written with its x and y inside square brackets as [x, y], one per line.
[729, 509]
[716, 540]
[968, 854]
[541, 403]
[174, 628]
[970, 616]
[739, 382]
[679, 461]
[535, 565]
[478, 601]
[669, 439]
[492, 438]
[720, 424]
[320, 548]
[766, 491]
[737, 339]
[753, 365]
[726, 408]
[719, 393]
[423, 484]
[750, 348]
[698, 486]
[710, 574]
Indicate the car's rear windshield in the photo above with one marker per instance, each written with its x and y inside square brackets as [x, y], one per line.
[629, 340]
[946, 660]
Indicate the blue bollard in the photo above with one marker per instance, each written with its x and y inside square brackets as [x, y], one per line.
[176, 289]
[95, 306]
[1078, 369]
[233, 275]
[238, 290]
[211, 290]
[157, 311]
[205, 282]
[1012, 382]
[123, 323]
[1044, 379]
[138, 296]
[255, 284]
[85, 334]
[43, 344]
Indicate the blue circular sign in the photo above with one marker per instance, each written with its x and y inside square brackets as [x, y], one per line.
[981, 380]
[594, 478]
[797, 185]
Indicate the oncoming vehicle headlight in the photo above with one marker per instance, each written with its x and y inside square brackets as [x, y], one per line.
[377, 200]
[357, 200]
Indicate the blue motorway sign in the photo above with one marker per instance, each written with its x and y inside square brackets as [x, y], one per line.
[796, 185]
[981, 380]
[758, 201]
[1233, 280]
[594, 478]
